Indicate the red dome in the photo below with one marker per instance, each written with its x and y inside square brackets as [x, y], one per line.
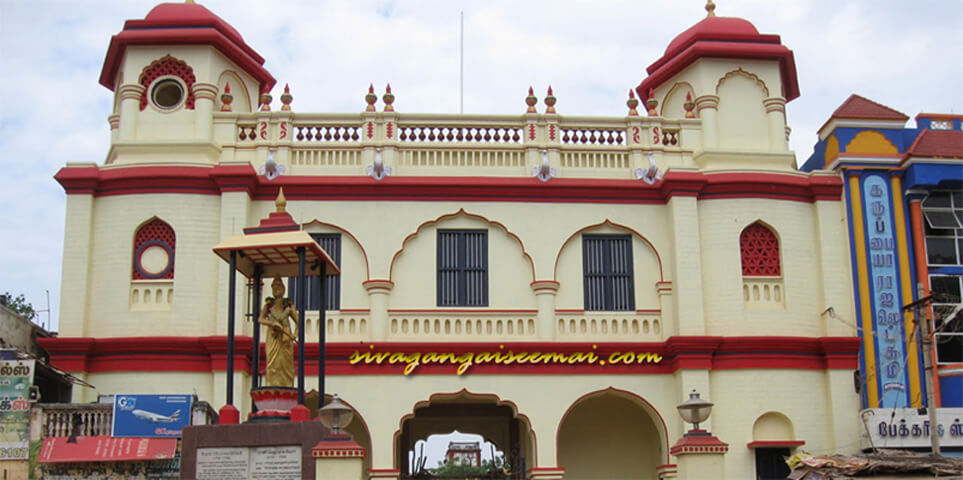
[714, 28]
[188, 14]
[721, 37]
[184, 24]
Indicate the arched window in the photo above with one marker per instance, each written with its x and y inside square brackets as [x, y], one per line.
[760, 252]
[154, 245]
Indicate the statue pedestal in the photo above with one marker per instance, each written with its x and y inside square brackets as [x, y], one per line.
[278, 450]
[273, 404]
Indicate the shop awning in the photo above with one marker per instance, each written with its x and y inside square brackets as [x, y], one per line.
[106, 449]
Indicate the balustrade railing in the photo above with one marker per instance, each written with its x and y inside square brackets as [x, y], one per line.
[344, 143]
[58, 420]
[612, 326]
[446, 327]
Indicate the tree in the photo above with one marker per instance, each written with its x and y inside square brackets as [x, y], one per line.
[20, 305]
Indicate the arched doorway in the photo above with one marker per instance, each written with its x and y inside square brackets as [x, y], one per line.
[610, 435]
[496, 421]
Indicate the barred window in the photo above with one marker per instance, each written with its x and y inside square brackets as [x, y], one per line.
[331, 243]
[608, 272]
[760, 252]
[462, 268]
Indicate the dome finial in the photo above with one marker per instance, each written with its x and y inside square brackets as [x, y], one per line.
[711, 8]
[280, 202]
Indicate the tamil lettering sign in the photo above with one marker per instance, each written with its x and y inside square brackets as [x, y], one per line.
[105, 449]
[884, 285]
[16, 377]
[907, 428]
[151, 415]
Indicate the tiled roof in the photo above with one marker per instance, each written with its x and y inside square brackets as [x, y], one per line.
[938, 143]
[857, 107]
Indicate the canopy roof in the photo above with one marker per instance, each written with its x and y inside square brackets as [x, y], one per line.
[274, 246]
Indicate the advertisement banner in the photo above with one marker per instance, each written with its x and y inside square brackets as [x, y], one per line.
[151, 415]
[908, 428]
[16, 377]
[105, 449]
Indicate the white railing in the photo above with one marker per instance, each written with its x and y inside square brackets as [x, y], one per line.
[609, 326]
[339, 327]
[483, 326]
[499, 145]
[763, 292]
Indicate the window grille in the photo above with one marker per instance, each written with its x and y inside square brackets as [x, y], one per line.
[462, 268]
[608, 273]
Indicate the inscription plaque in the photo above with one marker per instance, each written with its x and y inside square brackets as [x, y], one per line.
[276, 463]
[222, 463]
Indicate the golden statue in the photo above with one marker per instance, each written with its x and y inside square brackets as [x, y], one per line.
[279, 371]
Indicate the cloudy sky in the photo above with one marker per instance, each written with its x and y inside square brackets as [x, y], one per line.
[52, 110]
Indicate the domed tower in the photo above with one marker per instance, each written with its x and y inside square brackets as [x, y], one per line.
[168, 73]
[739, 80]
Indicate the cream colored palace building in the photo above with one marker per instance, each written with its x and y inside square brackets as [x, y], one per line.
[584, 273]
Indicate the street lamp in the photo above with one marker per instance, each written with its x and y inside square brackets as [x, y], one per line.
[694, 410]
[335, 416]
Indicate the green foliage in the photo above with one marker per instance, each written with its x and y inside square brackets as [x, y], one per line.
[20, 305]
[487, 468]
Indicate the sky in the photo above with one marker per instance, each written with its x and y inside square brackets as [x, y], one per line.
[903, 54]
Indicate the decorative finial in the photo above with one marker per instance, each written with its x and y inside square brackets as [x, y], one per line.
[550, 101]
[632, 102]
[389, 99]
[689, 106]
[651, 103]
[711, 8]
[370, 99]
[280, 202]
[531, 100]
[226, 98]
[265, 99]
[286, 99]
[189, 1]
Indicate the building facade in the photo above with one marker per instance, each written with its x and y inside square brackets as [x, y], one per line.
[904, 197]
[555, 283]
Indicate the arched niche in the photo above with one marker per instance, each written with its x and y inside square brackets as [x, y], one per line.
[773, 427]
[674, 104]
[647, 267]
[742, 116]
[358, 428]
[242, 98]
[510, 267]
[498, 421]
[611, 433]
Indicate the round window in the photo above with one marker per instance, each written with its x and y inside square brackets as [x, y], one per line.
[167, 94]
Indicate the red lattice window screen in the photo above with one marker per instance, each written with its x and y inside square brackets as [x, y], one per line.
[168, 66]
[155, 233]
[760, 251]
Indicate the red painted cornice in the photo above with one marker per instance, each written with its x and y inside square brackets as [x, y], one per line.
[214, 180]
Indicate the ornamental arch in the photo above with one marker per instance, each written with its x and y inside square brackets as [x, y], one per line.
[497, 421]
[611, 433]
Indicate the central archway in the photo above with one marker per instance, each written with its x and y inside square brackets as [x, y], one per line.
[611, 434]
[495, 420]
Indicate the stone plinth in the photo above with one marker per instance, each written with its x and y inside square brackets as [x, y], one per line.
[265, 448]
[338, 456]
[699, 455]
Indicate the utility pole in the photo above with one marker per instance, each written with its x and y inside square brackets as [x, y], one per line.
[924, 331]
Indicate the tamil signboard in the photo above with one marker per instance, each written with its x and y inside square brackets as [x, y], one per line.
[908, 428]
[151, 415]
[16, 377]
[105, 449]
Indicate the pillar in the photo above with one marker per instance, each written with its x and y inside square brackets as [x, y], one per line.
[338, 457]
[687, 259]
[545, 292]
[699, 454]
[379, 292]
[776, 114]
[708, 106]
[204, 95]
[74, 292]
[129, 109]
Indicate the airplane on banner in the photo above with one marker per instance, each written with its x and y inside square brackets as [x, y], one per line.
[155, 417]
